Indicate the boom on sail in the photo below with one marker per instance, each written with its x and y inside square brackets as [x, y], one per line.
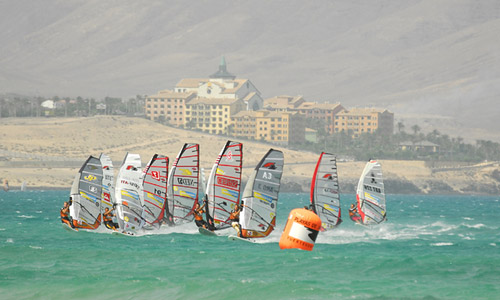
[223, 187]
[155, 190]
[325, 196]
[182, 192]
[260, 197]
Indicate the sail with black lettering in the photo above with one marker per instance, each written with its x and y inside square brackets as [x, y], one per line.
[129, 194]
[370, 194]
[108, 182]
[183, 185]
[260, 197]
[223, 186]
[155, 190]
[325, 196]
[85, 208]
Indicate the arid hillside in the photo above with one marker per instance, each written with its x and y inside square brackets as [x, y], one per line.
[47, 152]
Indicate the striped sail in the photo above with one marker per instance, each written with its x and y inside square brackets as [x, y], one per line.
[108, 179]
[155, 190]
[325, 196]
[223, 186]
[86, 201]
[183, 184]
[129, 194]
[370, 194]
[260, 197]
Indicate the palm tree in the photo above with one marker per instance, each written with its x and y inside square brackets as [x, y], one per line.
[415, 129]
[401, 126]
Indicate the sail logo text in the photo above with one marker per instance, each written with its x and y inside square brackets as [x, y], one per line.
[90, 177]
[155, 175]
[185, 181]
[372, 188]
[227, 182]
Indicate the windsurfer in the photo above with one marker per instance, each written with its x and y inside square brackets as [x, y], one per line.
[353, 214]
[108, 218]
[234, 218]
[198, 215]
[65, 215]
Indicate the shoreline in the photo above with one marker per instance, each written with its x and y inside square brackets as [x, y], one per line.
[48, 152]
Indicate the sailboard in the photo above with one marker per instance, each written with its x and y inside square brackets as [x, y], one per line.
[223, 186]
[325, 196]
[69, 228]
[206, 232]
[129, 194]
[237, 238]
[370, 195]
[86, 193]
[108, 188]
[155, 190]
[182, 193]
[260, 197]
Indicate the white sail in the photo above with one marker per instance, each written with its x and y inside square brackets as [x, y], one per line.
[108, 181]
[325, 196]
[129, 194]
[223, 186]
[260, 197]
[183, 185]
[86, 195]
[155, 190]
[371, 195]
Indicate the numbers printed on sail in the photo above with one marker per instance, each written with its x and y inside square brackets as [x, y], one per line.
[267, 175]
[372, 188]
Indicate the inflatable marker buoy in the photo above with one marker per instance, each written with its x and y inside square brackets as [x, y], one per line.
[301, 230]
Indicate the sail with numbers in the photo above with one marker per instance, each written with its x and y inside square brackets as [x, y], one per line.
[223, 187]
[260, 197]
[86, 193]
[325, 196]
[183, 185]
[155, 190]
[129, 194]
[370, 194]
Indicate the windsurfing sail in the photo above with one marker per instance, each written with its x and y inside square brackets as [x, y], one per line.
[223, 186]
[155, 190]
[129, 194]
[325, 196]
[260, 197]
[108, 188]
[370, 194]
[183, 185]
[86, 193]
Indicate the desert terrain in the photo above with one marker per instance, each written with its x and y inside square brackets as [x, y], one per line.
[46, 153]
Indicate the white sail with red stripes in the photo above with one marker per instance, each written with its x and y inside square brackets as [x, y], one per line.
[223, 187]
[155, 190]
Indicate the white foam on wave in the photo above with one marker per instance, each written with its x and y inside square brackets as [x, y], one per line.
[442, 244]
[493, 244]
[475, 226]
[10, 241]
[468, 218]
[36, 247]
[2, 229]
[25, 217]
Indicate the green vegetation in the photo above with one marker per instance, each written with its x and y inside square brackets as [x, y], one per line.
[380, 146]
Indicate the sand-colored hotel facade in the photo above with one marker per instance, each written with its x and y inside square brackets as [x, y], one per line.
[222, 104]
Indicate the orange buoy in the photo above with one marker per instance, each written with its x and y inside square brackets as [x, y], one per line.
[301, 230]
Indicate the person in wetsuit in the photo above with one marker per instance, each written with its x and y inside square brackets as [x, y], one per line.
[108, 218]
[198, 215]
[65, 215]
[353, 214]
[234, 218]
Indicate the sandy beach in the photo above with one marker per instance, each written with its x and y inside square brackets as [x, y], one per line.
[47, 153]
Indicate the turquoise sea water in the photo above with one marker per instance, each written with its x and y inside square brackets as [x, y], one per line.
[432, 247]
